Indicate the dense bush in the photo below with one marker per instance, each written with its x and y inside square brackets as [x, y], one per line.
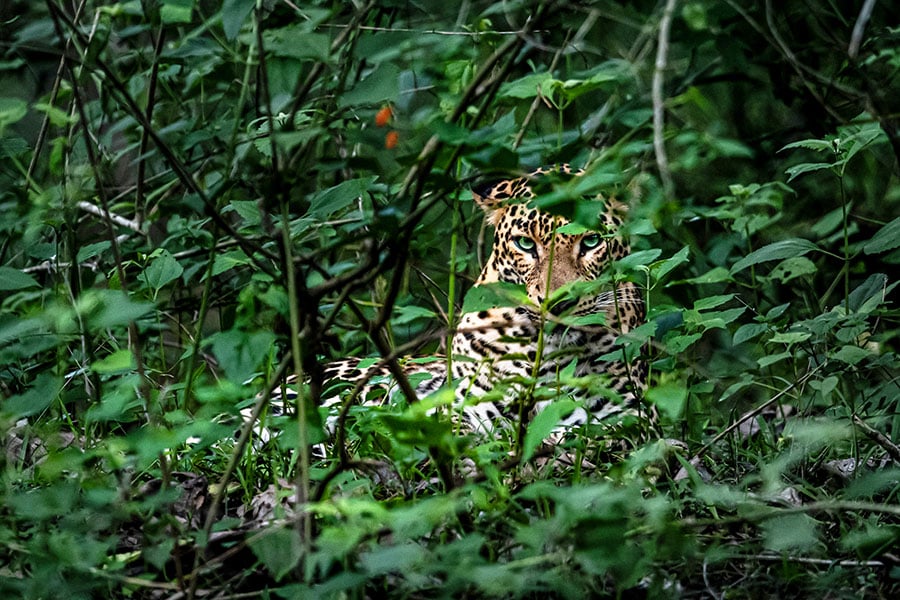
[198, 199]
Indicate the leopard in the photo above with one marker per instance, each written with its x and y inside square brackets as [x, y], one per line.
[509, 362]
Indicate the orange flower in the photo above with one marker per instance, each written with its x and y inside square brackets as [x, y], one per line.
[391, 140]
[383, 116]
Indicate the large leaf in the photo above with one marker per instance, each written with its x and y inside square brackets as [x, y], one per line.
[14, 279]
[776, 251]
[886, 238]
[543, 425]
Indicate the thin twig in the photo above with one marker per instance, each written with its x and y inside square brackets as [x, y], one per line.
[662, 51]
[749, 415]
[859, 28]
[110, 216]
[878, 437]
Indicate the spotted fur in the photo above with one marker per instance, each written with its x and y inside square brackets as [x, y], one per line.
[523, 350]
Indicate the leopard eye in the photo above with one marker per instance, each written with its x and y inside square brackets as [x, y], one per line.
[525, 244]
[589, 242]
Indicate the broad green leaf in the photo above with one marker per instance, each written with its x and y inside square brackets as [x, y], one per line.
[279, 549]
[494, 295]
[792, 268]
[747, 332]
[328, 202]
[712, 301]
[92, 250]
[229, 260]
[771, 359]
[715, 275]
[790, 337]
[240, 352]
[680, 343]
[162, 270]
[294, 41]
[57, 116]
[790, 532]
[830, 222]
[120, 360]
[526, 87]
[543, 424]
[176, 11]
[638, 259]
[669, 397]
[110, 308]
[402, 558]
[870, 293]
[664, 267]
[14, 279]
[775, 251]
[851, 354]
[36, 399]
[407, 314]
[381, 85]
[886, 238]
[12, 110]
[234, 13]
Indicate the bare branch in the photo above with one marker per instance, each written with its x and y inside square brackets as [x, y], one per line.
[662, 51]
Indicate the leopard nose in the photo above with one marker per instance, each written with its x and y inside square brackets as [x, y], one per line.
[562, 306]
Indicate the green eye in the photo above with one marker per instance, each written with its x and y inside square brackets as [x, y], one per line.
[525, 243]
[589, 242]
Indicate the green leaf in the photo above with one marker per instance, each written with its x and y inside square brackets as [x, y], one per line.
[712, 301]
[669, 397]
[229, 260]
[638, 259]
[14, 279]
[526, 87]
[792, 268]
[715, 275]
[790, 532]
[407, 314]
[851, 354]
[776, 251]
[12, 110]
[664, 267]
[240, 353]
[811, 144]
[278, 549]
[797, 170]
[771, 359]
[543, 425]
[162, 270]
[381, 85]
[57, 116]
[110, 308]
[120, 360]
[747, 332]
[234, 13]
[40, 395]
[328, 202]
[176, 11]
[886, 238]
[92, 250]
[494, 295]
[790, 337]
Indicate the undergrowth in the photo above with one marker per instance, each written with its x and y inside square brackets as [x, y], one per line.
[199, 200]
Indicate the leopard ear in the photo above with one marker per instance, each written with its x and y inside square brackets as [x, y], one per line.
[491, 196]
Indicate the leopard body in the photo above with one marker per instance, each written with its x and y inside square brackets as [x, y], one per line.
[521, 352]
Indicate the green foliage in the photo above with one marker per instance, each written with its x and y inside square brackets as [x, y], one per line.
[199, 197]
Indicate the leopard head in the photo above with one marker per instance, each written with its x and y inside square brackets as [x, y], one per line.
[529, 249]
